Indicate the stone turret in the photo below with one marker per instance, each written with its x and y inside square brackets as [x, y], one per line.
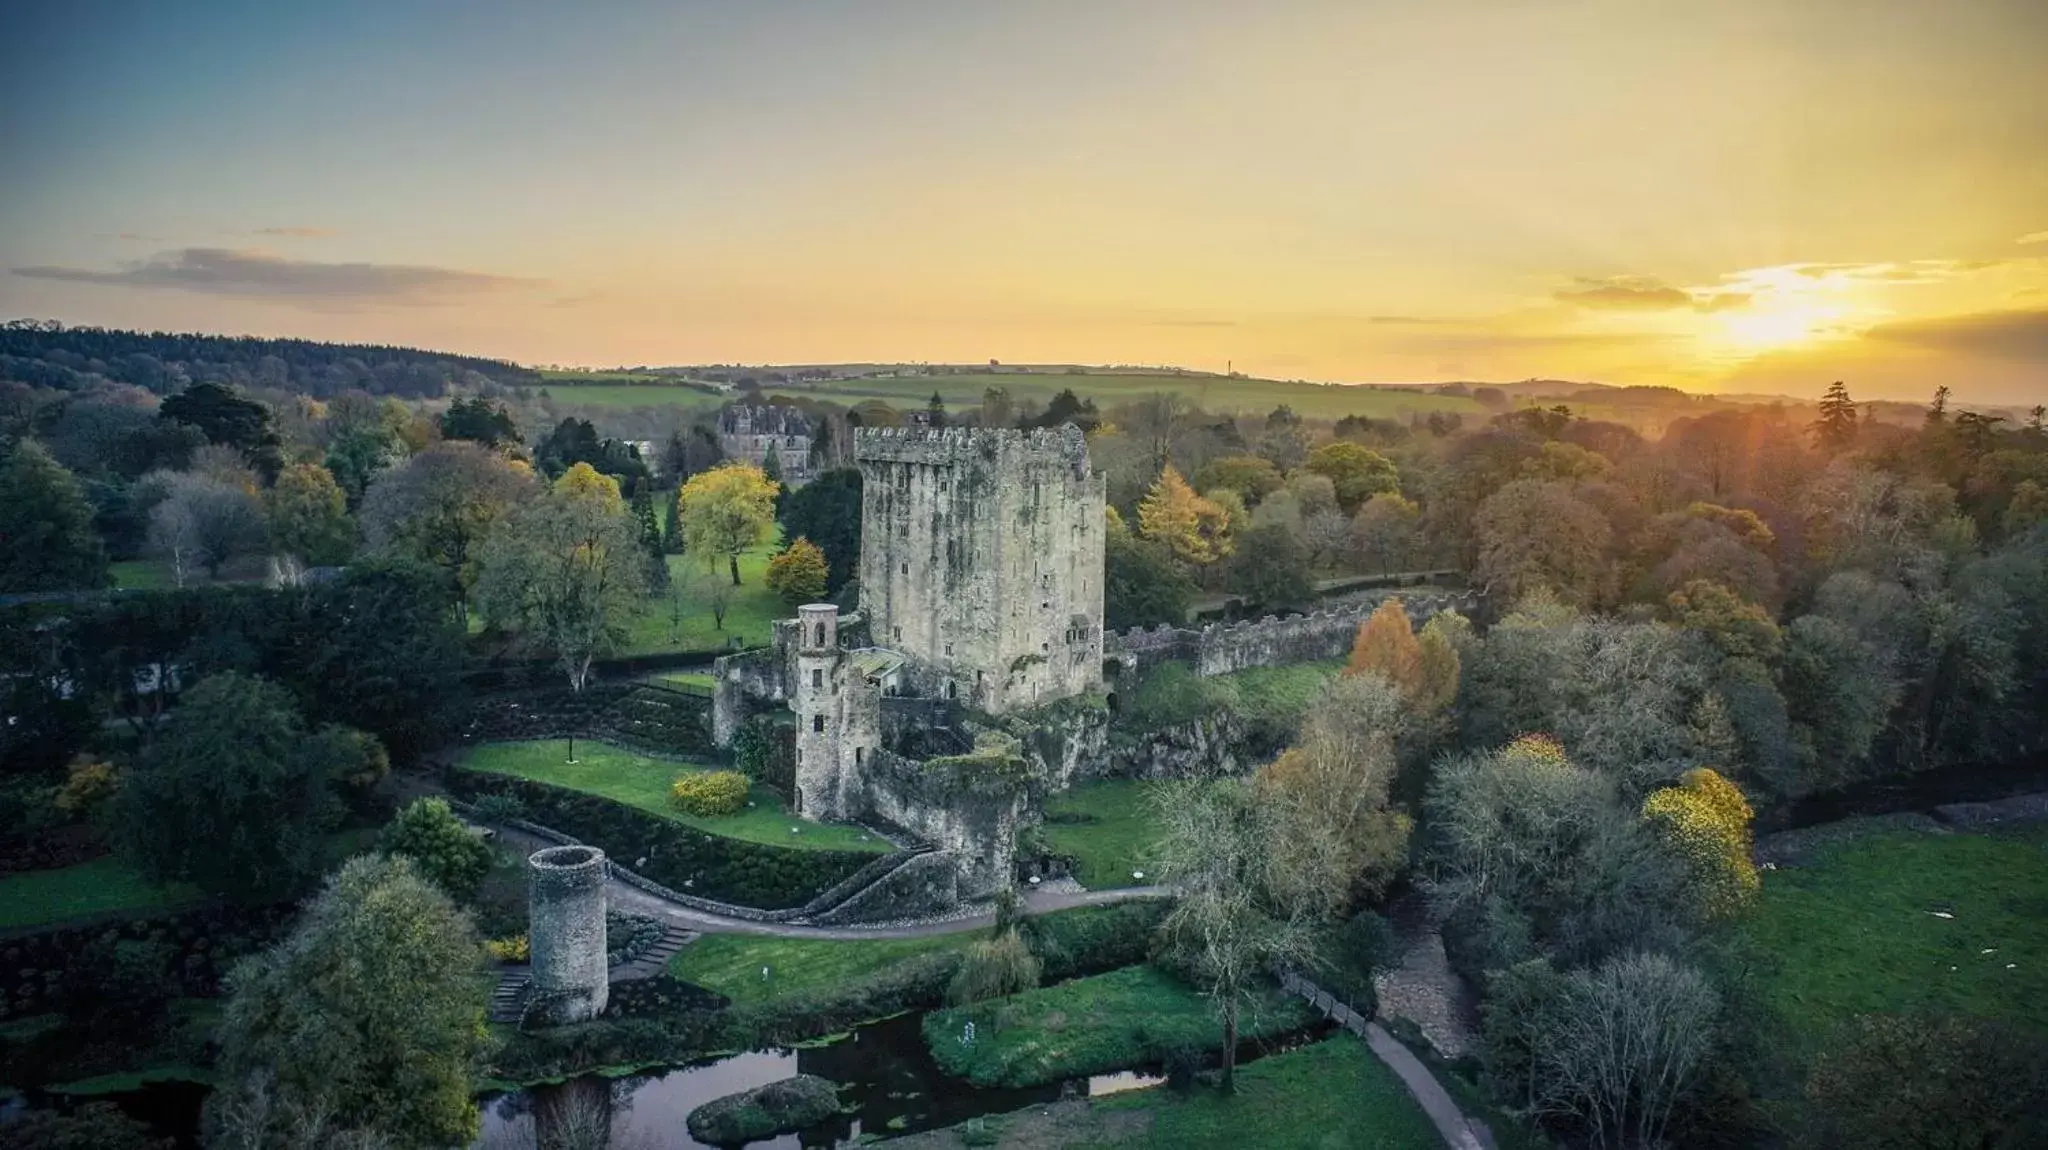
[567, 932]
[815, 699]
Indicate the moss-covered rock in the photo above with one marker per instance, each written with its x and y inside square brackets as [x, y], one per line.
[765, 1111]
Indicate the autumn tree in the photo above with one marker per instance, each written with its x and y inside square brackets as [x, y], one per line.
[1192, 529]
[1336, 840]
[1534, 534]
[440, 505]
[568, 570]
[725, 511]
[1358, 473]
[308, 517]
[47, 541]
[1706, 821]
[798, 573]
[368, 1016]
[1386, 645]
[1384, 530]
[1436, 686]
[201, 523]
[827, 512]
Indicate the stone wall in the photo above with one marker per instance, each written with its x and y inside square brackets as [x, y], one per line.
[968, 815]
[1220, 648]
[567, 932]
[981, 560]
[924, 885]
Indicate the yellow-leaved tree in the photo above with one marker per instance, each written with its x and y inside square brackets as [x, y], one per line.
[1706, 821]
[798, 573]
[1386, 644]
[1437, 686]
[724, 511]
[1192, 529]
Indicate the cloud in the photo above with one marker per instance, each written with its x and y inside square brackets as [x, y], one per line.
[221, 271]
[1624, 293]
[2033, 238]
[1721, 301]
[299, 232]
[2017, 335]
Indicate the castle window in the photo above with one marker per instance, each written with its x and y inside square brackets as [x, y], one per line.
[952, 690]
[949, 650]
[818, 724]
[821, 635]
[906, 568]
[898, 631]
[817, 678]
[860, 755]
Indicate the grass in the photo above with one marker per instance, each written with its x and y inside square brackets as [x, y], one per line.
[731, 964]
[643, 782]
[750, 619]
[1856, 932]
[102, 885]
[691, 682]
[1127, 1018]
[1104, 827]
[141, 574]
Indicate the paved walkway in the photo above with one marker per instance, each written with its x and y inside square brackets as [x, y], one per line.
[632, 899]
[1459, 1132]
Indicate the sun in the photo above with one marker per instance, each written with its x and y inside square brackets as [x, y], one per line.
[1778, 320]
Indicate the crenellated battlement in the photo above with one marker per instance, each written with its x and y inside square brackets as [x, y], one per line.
[1220, 648]
[954, 446]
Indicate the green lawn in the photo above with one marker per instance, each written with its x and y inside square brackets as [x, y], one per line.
[1857, 931]
[678, 619]
[643, 782]
[104, 884]
[1113, 836]
[731, 963]
[1126, 1018]
[141, 574]
[689, 682]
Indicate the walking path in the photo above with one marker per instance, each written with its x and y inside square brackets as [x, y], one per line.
[1459, 1131]
[1423, 988]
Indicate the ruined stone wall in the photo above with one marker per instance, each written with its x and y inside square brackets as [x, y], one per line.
[973, 825]
[1220, 648]
[981, 560]
[566, 905]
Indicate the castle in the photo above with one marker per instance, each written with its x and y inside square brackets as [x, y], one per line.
[751, 433]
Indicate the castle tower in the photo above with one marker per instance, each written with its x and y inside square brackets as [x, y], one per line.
[567, 932]
[817, 705]
[981, 559]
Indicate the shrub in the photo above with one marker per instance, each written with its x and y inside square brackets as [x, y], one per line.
[517, 948]
[86, 785]
[708, 794]
[993, 968]
[500, 808]
[441, 846]
[1898, 1082]
[765, 1111]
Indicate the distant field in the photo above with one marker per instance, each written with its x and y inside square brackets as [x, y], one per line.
[1213, 393]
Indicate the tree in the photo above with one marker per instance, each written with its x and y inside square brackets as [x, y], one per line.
[1610, 1050]
[439, 506]
[202, 522]
[308, 516]
[798, 572]
[229, 797]
[567, 570]
[370, 1013]
[47, 541]
[1269, 567]
[1535, 534]
[1840, 691]
[1227, 929]
[228, 419]
[827, 512]
[725, 511]
[1284, 440]
[1891, 1082]
[443, 848]
[1386, 646]
[1436, 686]
[1142, 585]
[935, 411]
[479, 420]
[1336, 839]
[1835, 430]
[997, 409]
[1705, 821]
[1252, 477]
[1192, 529]
[1383, 532]
[1358, 473]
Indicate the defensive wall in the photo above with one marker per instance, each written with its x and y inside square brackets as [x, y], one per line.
[1221, 648]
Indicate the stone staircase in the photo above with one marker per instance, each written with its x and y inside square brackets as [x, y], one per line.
[652, 961]
[510, 995]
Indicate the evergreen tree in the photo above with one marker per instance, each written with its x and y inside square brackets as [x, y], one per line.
[1836, 428]
[47, 542]
[935, 411]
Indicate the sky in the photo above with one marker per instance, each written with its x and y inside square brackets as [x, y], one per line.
[1742, 196]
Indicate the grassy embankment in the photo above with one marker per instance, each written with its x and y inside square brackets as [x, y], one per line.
[643, 782]
[102, 885]
[1330, 1095]
[1904, 922]
[1131, 1017]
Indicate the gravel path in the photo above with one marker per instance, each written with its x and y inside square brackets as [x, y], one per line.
[1424, 989]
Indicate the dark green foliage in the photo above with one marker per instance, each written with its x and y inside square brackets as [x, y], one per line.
[827, 512]
[47, 541]
[1066, 407]
[1101, 938]
[1142, 585]
[481, 420]
[1350, 953]
[658, 720]
[778, 1107]
[1900, 1083]
[228, 797]
[679, 857]
[93, 1126]
[1269, 567]
[575, 441]
[227, 419]
[442, 848]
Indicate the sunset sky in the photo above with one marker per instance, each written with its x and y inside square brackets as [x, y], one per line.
[1752, 195]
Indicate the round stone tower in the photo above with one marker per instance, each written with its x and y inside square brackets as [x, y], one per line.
[817, 711]
[567, 933]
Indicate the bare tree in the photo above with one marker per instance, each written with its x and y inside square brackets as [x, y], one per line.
[202, 522]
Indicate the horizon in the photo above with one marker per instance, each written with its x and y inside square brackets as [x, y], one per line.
[1737, 201]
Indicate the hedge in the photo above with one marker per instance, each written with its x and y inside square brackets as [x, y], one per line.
[709, 794]
[636, 715]
[67, 967]
[675, 855]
